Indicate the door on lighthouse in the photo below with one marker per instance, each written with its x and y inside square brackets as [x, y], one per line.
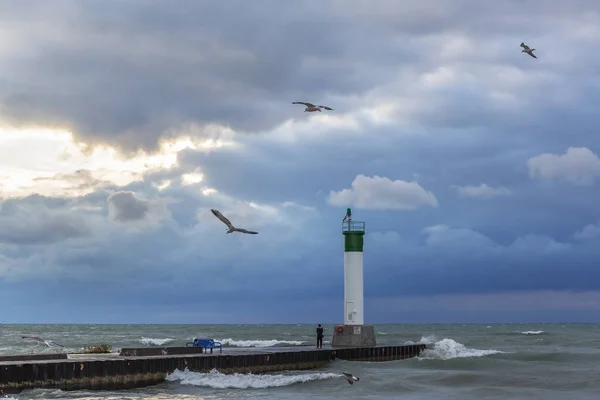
[350, 311]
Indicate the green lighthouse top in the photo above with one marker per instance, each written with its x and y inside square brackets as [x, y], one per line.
[353, 227]
[350, 227]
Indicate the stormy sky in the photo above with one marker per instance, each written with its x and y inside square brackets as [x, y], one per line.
[474, 165]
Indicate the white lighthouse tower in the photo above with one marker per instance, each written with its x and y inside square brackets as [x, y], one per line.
[353, 333]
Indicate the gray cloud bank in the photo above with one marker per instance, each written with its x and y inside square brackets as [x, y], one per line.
[475, 166]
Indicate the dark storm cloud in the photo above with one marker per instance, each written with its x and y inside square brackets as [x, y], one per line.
[458, 261]
[29, 224]
[124, 206]
[11, 206]
[459, 264]
[128, 73]
[455, 261]
[123, 72]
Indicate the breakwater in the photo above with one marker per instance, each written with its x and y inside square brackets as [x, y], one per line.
[148, 366]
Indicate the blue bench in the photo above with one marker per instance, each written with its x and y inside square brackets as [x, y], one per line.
[206, 344]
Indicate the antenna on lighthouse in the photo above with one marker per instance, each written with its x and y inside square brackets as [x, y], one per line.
[353, 333]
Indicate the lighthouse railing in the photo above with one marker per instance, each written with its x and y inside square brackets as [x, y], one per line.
[353, 226]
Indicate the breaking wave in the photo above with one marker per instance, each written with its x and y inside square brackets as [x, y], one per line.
[155, 342]
[447, 349]
[218, 380]
[532, 333]
[260, 343]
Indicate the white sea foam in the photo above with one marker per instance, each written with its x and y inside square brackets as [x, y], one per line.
[424, 340]
[532, 333]
[155, 342]
[447, 349]
[218, 380]
[260, 343]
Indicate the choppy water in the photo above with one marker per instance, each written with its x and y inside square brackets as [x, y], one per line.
[542, 361]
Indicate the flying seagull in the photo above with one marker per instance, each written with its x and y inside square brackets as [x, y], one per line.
[232, 228]
[350, 378]
[48, 343]
[312, 108]
[527, 50]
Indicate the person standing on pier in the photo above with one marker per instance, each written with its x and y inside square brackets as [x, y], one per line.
[319, 337]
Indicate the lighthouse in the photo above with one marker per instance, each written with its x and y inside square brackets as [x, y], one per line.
[353, 332]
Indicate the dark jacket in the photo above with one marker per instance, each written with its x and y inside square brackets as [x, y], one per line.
[320, 332]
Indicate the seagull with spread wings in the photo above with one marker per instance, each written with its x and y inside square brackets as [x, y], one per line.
[312, 108]
[232, 228]
[350, 378]
[527, 50]
[48, 343]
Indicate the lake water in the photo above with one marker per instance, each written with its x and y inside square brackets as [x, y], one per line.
[504, 361]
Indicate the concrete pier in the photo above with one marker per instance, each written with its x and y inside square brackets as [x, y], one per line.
[116, 371]
[354, 336]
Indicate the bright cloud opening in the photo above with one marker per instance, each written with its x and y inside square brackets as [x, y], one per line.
[192, 178]
[50, 162]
